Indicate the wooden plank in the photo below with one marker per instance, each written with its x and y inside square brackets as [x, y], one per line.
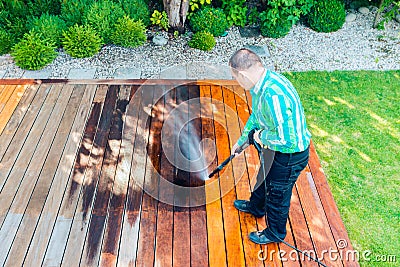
[148, 221]
[315, 217]
[248, 222]
[11, 124]
[44, 179]
[198, 213]
[128, 121]
[15, 165]
[215, 226]
[98, 220]
[10, 106]
[81, 220]
[72, 193]
[14, 143]
[165, 216]
[8, 91]
[329, 205]
[24, 186]
[233, 238]
[131, 220]
[40, 239]
[289, 256]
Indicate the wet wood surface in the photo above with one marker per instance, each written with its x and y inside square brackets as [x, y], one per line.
[91, 174]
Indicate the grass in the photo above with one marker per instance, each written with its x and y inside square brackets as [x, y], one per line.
[354, 118]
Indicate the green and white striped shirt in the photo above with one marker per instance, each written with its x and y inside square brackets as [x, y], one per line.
[277, 111]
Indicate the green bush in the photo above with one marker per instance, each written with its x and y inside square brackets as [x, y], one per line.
[81, 41]
[327, 15]
[6, 42]
[160, 19]
[102, 16]
[277, 29]
[13, 17]
[49, 26]
[129, 33]
[137, 10]
[208, 19]
[72, 11]
[39, 7]
[33, 52]
[203, 41]
[235, 12]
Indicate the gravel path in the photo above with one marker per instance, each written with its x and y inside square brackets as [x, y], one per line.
[357, 46]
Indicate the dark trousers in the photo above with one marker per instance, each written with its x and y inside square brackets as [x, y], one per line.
[275, 180]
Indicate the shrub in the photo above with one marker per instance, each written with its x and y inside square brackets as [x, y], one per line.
[38, 7]
[49, 26]
[208, 19]
[278, 29]
[129, 33]
[33, 52]
[81, 41]
[203, 41]
[13, 17]
[235, 12]
[160, 19]
[327, 15]
[72, 11]
[102, 16]
[137, 10]
[6, 42]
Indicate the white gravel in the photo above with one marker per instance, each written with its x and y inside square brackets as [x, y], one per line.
[357, 46]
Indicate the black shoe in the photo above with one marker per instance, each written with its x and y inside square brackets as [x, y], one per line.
[244, 205]
[260, 238]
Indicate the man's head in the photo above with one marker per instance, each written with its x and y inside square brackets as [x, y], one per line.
[246, 67]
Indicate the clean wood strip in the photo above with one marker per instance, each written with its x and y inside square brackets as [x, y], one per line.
[332, 213]
[148, 220]
[19, 125]
[8, 91]
[165, 215]
[198, 215]
[315, 217]
[98, 219]
[131, 220]
[81, 221]
[26, 133]
[45, 178]
[2, 88]
[11, 125]
[23, 187]
[70, 199]
[181, 234]
[10, 106]
[109, 250]
[233, 238]
[37, 248]
[215, 225]
[248, 222]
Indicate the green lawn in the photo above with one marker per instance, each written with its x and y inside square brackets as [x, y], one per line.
[354, 118]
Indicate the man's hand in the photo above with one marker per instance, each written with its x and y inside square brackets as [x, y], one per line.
[256, 137]
[236, 150]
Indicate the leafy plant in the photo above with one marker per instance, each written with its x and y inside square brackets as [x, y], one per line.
[390, 9]
[252, 17]
[276, 29]
[102, 16]
[81, 41]
[202, 40]
[208, 19]
[137, 9]
[235, 12]
[13, 16]
[33, 52]
[38, 7]
[49, 26]
[6, 42]
[327, 15]
[197, 4]
[160, 19]
[129, 33]
[72, 11]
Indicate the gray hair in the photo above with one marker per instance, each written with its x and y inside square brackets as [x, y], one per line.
[244, 59]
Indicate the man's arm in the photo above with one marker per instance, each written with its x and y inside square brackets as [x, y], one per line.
[250, 124]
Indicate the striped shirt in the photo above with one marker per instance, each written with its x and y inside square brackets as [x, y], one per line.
[277, 111]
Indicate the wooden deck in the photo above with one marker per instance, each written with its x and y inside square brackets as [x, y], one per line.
[84, 164]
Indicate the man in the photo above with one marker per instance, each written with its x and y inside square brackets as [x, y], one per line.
[282, 138]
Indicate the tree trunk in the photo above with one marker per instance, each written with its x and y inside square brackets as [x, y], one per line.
[177, 11]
